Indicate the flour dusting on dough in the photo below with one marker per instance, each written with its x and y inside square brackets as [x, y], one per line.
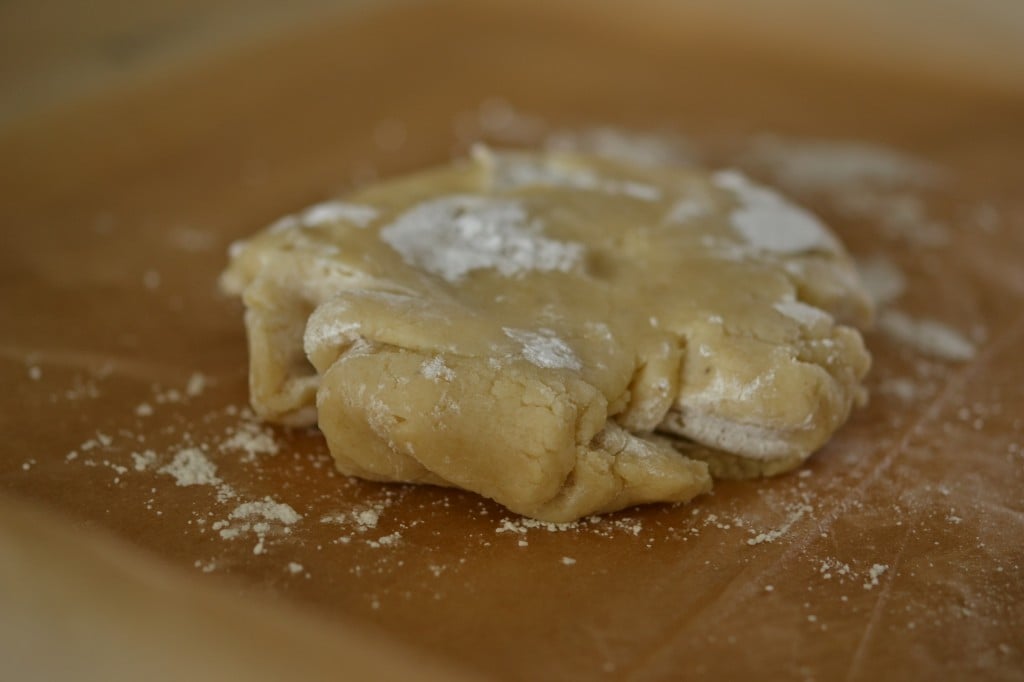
[805, 315]
[338, 211]
[769, 222]
[454, 235]
[515, 171]
[435, 369]
[544, 349]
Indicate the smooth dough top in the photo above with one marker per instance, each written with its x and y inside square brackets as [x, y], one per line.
[565, 334]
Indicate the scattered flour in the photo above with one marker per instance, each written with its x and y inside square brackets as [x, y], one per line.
[267, 509]
[141, 461]
[874, 573]
[252, 439]
[205, 566]
[191, 467]
[602, 525]
[457, 234]
[361, 520]
[81, 389]
[260, 518]
[926, 336]
[389, 540]
[830, 567]
[796, 512]
[524, 524]
[35, 373]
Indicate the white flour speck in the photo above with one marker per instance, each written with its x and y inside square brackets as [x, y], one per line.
[795, 514]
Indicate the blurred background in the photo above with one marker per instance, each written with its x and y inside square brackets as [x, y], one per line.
[55, 50]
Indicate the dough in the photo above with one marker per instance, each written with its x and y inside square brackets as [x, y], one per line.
[564, 334]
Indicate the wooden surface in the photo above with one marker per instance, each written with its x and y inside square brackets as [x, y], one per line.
[116, 214]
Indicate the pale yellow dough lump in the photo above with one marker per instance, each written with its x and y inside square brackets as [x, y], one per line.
[563, 334]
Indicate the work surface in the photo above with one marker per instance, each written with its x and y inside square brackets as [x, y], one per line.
[895, 552]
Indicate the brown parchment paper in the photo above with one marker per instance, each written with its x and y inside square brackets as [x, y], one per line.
[895, 553]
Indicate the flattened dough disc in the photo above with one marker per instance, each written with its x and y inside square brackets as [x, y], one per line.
[564, 334]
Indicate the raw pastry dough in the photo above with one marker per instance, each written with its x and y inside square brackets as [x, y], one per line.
[564, 334]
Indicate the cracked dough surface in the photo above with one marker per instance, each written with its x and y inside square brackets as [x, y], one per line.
[563, 334]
